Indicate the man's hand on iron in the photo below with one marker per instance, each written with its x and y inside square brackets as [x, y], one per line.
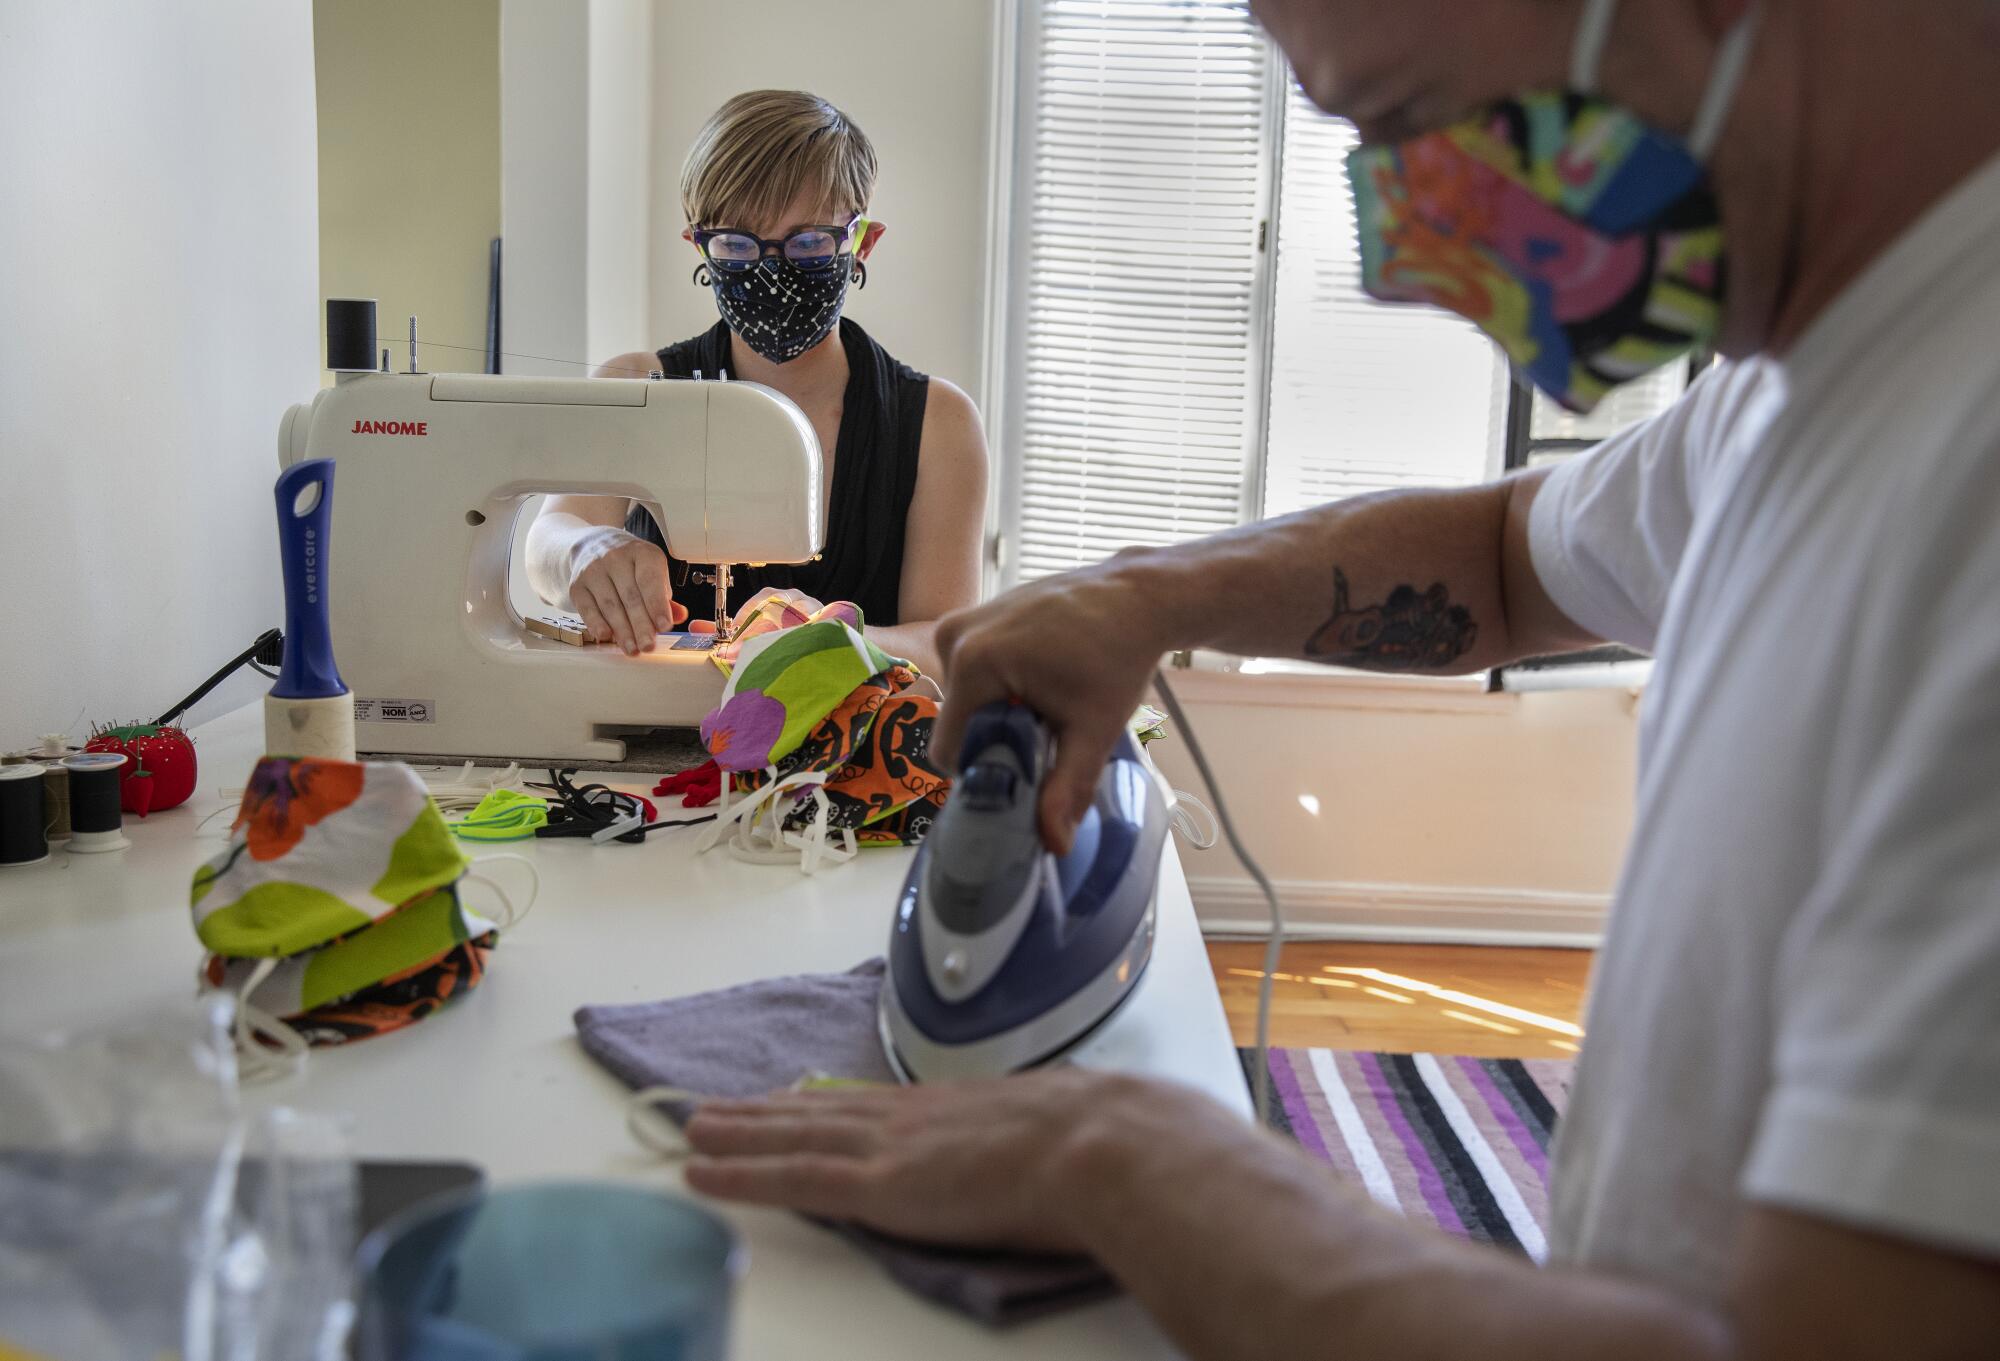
[1079, 649]
[993, 1164]
[618, 583]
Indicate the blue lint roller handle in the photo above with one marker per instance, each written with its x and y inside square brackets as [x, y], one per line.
[305, 517]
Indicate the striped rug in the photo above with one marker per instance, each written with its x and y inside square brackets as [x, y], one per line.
[1461, 1142]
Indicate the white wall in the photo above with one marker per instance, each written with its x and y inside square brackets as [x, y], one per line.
[1390, 812]
[409, 167]
[619, 231]
[158, 288]
[916, 75]
[576, 95]
[544, 184]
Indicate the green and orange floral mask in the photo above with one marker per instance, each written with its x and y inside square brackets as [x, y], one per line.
[320, 850]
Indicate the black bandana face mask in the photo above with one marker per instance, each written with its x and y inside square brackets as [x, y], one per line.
[779, 308]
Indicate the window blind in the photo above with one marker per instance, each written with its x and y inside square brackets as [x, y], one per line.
[1365, 396]
[1141, 125]
[1634, 402]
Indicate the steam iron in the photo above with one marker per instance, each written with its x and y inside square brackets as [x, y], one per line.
[1003, 955]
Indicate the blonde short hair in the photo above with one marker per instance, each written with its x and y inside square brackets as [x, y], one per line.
[764, 148]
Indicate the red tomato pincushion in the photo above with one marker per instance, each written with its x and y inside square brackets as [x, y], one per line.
[161, 772]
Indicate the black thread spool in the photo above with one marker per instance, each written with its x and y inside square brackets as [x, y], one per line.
[23, 839]
[350, 335]
[95, 822]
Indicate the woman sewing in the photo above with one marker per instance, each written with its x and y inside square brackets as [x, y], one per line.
[776, 191]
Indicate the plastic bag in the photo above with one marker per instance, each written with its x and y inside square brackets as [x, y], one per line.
[143, 1213]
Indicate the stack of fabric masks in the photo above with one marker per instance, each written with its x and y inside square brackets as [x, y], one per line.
[827, 735]
[335, 912]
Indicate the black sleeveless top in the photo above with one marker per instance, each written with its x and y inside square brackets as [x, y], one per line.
[874, 479]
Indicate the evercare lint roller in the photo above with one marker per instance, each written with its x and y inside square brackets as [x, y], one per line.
[309, 712]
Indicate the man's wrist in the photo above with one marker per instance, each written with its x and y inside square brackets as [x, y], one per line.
[1094, 1167]
[1170, 590]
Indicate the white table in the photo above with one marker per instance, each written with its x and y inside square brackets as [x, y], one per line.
[499, 1079]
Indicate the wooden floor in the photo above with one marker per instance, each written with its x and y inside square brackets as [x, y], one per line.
[1486, 1001]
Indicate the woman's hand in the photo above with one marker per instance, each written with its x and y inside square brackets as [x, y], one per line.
[618, 583]
[1078, 649]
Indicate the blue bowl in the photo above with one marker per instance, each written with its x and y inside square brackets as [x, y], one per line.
[549, 1271]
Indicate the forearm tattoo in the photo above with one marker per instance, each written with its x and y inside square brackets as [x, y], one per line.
[1410, 631]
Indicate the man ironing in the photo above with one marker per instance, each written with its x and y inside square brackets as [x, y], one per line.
[1784, 1137]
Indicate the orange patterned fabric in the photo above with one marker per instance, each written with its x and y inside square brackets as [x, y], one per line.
[401, 1000]
[286, 797]
[884, 785]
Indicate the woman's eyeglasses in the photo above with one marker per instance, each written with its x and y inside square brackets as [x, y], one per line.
[728, 248]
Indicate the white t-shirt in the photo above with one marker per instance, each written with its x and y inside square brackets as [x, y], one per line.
[1798, 999]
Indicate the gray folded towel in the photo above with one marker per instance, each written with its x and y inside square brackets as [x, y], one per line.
[763, 1037]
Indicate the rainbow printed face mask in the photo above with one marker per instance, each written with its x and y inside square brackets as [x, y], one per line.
[1587, 243]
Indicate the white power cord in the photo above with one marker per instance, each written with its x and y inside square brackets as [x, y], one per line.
[1261, 1083]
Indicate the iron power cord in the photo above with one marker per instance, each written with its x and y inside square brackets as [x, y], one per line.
[585, 810]
[1276, 940]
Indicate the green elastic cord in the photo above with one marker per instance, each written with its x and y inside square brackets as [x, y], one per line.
[503, 815]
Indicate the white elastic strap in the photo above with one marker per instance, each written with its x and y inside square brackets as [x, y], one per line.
[756, 826]
[653, 1130]
[1731, 62]
[812, 845]
[630, 822]
[465, 793]
[257, 1061]
[1586, 57]
[514, 915]
[705, 839]
[1199, 835]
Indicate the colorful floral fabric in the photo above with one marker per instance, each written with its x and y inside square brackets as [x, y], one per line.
[319, 850]
[883, 783]
[1584, 241]
[773, 610]
[783, 685]
[400, 1001]
[336, 904]
[420, 934]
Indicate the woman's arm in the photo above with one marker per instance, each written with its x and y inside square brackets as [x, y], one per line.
[945, 528]
[580, 555]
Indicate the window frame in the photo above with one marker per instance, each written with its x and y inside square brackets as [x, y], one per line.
[1017, 45]
[1522, 447]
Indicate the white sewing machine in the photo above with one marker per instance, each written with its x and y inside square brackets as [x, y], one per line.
[430, 473]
